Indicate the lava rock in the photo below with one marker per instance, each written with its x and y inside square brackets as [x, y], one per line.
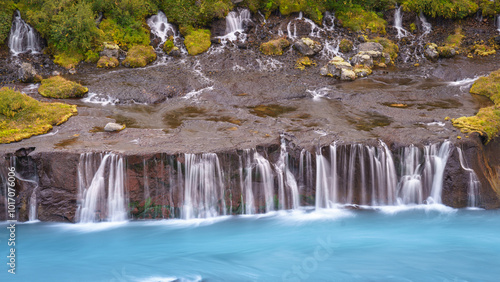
[27, 72]
[370, 46]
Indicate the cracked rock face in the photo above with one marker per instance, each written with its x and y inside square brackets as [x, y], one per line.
[307, 46]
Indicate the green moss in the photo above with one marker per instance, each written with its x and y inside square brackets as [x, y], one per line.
[197, 41]
[488, 86]
[274, 47]
[22, 116]
[455, 40]
[59, 87]
[139, 56]
[105, 62]
[483, 50]
[389, 47]
[446, 51]
[68, 60]
[304, 62]
[168, 46]
[413, 27]
[359, 20]
[489, 8]
[91, 56]
[345, 45]
[272, 110]
[487, 121]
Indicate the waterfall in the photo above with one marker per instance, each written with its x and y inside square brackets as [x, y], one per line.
[95, 203]
[426, 26]
[264, 173]
[23, 37]
[474, 184]
[288, 198]
[161, 27]
[203, 187]
[398, 23]
[245, 171]
[498, 22]
[329, 21]
[437, 158]
[410, 185]
[236, 22]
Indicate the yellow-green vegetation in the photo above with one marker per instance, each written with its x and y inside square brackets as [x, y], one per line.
[106, 62]
[197, 41]
[413, 27]
[455, 40]
[487, 121]
[304, 62]
[389, 47]
[6, 13]
[483, 50]
[274, 47]
[449, 9]
[61, 88]
[22, 116]
[169, 45]
[359, 20]
[124, 36]
[68, 60]
[139, 56]
[489, 8]
[345, 45]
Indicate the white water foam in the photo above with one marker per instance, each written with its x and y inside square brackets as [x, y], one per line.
[319, 93]
[23, 37]
[96, 98]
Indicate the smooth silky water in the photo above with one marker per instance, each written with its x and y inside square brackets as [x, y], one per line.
[424, 243]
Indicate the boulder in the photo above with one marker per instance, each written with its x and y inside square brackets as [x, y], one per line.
[108, 62]
[27, 72]
[335, 66]
[61, 88]
[370, 46]
[347, 74]
[362, 59]
[139, 56]
[307, 46]
[274, 47]
[113, 127]
[431, 52]
[110, 50]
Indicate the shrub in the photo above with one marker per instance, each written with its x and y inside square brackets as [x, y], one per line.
[6, 13]
[450, 9]
[357, 19]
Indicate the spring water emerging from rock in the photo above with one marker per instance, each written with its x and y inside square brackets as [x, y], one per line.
[23, 37]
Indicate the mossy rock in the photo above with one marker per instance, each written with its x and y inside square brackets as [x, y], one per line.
[274, 47]
[304, 62]
[486, 122]
[345, 45]
[197, 41]
[22, 116]
[106, 62]
[168, 46]
[61, 88]
[139, 56]
[488, 86]
[390, 47]
[446, 51]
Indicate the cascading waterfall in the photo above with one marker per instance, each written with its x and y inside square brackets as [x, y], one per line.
[426, 26]
[23, 37]
[329, 21]
[437, 157]
[286, 180]
[265, 178]
[398, 23]
[203, 187]
[235, 24]
[96, 203]
[410, 186]
[474, 184]
[498, 22]
[160, 27]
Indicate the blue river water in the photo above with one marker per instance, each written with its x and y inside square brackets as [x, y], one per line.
[385, 244]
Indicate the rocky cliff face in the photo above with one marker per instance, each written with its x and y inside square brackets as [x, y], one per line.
[155, 183]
